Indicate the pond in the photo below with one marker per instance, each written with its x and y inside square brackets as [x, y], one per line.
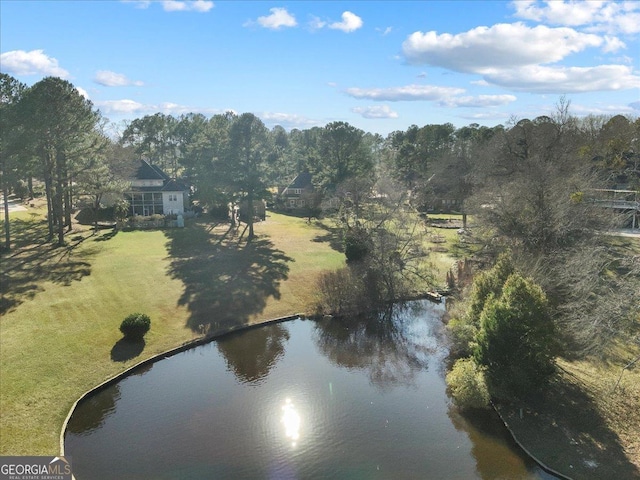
[356, 399]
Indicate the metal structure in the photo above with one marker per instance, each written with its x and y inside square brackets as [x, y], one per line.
[626, 202]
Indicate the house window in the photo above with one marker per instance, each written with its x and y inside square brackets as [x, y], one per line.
[144, 203]
[297, 191]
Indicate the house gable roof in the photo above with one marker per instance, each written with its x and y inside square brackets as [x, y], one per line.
[174, 186]
[146, 171]
[302, 181]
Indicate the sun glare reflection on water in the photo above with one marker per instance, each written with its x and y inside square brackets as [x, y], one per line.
[291, 421]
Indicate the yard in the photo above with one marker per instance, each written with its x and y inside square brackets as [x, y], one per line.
[61, 307]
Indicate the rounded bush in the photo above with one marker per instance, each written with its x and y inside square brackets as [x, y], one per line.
[357, 244]
[467, 385]
[135, 326]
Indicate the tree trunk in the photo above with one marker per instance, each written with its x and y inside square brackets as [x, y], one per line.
[59, 197]
[250, 215]
[67, 204]
[7, 231]
[49, 194]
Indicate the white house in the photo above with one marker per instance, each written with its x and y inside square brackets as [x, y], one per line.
[153, 192]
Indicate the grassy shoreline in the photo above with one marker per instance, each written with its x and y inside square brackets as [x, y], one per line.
[61, 310]
[61, 307]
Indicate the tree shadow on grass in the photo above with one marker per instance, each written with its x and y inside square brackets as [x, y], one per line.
[563, 427]
[333, 236]
[226, 280]
[125, 349]
[106, 236]
[34, 260]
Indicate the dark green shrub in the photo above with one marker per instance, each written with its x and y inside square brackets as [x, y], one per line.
[135, 326]
[357, 244]
[515, 342]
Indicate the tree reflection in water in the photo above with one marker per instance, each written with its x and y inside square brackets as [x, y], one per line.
[251, 354]
[91, 414]
[386, 344]
[492, 446]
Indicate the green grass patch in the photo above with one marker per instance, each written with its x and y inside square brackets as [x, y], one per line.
[62, 307]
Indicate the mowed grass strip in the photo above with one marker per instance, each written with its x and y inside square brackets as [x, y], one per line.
[61, 338]
[58, 344]
[311, 253]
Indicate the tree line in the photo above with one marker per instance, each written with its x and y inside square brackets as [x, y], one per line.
[51, 133]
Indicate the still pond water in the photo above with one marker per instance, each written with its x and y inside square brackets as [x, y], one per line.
[295, 400]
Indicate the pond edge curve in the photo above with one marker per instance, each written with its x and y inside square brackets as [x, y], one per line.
[217, 335]
[162, 355]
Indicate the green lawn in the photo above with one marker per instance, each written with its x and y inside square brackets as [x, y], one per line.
[61, 307]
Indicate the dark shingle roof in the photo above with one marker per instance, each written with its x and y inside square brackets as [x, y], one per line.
[303, 180]
[146, 171]
[174, 186]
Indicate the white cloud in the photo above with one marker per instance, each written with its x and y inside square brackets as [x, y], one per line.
[287, 120]
[542, 79]
[597, 16]
[559, 12]
[350, 23]
[132, 107]
[175, 5]
[142, 4]
[487, 49]
[279, 18]
[122, 106]
[113, 79]
[612, 44]
[384, 31]
[375, 112]
[596, 109]
[409, 92]
[484, 115]
[83, 92]
[316, 23]
[480, 101]
[35, 62]
[635, 105]
[187, 5]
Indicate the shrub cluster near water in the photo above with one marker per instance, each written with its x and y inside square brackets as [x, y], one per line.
[135, 326]
[505, 336]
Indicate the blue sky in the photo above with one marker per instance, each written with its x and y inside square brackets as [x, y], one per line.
[381, 66]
